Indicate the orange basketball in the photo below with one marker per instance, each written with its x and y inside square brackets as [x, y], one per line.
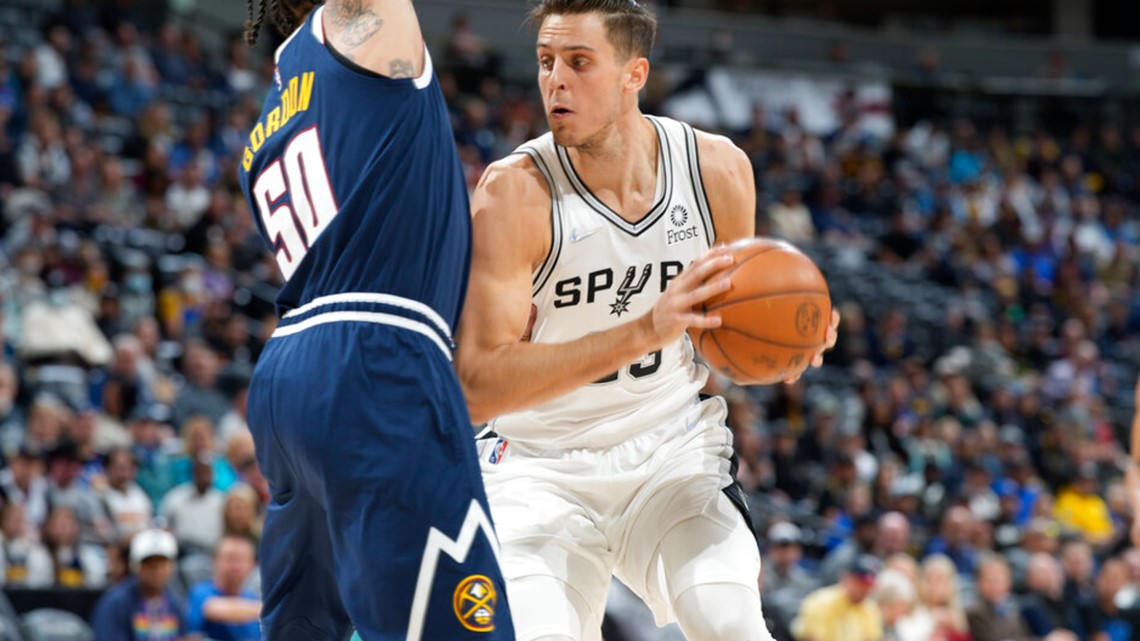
[774, 318]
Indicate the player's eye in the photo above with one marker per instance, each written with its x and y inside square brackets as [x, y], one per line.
[545, 62]
[580, 62]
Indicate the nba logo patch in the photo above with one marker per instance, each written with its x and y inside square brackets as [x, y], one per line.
[277, 77]
[498, 452]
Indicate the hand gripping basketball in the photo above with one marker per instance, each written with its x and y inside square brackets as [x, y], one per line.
[679, 308]
[775, 320]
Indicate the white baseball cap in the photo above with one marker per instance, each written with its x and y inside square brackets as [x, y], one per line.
[153, 542]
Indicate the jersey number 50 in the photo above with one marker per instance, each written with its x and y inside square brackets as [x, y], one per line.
[300, 172]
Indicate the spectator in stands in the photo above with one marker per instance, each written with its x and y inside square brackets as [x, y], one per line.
[199, 442]
[790, 219]
[118, 562]
[940, 596]
[23, 483]
[46, 419]
[80, 431]
[842, 612]
[125, 387]
[128, 505]
[25, 562]
[65, 490]
[156, 470]
[240, 454]
[996, 616]
[1077, 562]
[143, 608]
[954, 540]
[11, 414]
[219, 608]
[41, 158]
[194, 509]
[785, 582]
[132, 90]
[1080, 507]
[1043, 606]
[1102, 616]
[240, 513]
[881, 537]
[75, 564]
[234, 383]
[895, 595]
[200, 395]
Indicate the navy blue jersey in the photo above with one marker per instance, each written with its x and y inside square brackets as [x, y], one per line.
[355, 182]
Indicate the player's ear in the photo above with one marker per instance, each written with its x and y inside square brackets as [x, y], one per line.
[637, 74]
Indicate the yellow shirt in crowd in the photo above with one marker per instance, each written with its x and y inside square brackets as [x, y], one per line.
[1086, 513]
[828, 615]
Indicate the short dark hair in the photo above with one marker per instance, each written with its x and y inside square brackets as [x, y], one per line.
[630, 26]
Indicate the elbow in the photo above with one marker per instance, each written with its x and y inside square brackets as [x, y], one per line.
[478, 407]
[472, 391]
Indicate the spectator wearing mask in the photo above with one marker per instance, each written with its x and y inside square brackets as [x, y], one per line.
[143, 608]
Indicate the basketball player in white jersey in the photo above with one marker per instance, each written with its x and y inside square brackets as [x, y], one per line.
[607, 461]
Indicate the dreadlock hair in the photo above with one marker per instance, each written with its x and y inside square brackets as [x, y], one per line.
[630, 27]
[285, 14]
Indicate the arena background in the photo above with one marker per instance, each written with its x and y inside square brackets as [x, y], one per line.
[965, 172]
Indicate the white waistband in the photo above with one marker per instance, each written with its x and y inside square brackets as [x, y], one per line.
[369, 297]
[438, 330]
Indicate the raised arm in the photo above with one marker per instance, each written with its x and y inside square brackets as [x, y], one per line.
[382, 36]
[499, 371]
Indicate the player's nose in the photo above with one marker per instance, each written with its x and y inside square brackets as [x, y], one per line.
[558, 75]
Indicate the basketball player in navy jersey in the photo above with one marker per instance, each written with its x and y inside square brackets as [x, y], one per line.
[378, 518]
[607, 461]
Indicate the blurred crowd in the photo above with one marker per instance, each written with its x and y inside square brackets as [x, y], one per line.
[953, 472]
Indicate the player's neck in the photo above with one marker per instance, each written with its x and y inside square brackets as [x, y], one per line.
[623, 161]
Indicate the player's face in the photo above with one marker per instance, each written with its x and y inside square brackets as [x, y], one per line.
[582, 78]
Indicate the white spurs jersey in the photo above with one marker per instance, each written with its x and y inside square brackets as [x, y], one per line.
[603, 271]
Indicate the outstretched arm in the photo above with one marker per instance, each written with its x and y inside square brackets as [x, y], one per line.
[499, 371]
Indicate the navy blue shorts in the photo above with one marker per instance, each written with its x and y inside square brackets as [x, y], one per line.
[378, 519]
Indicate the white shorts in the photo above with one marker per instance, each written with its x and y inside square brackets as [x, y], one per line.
[582, 516]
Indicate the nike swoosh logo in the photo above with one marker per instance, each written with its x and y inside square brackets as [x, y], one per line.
[576, 235]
